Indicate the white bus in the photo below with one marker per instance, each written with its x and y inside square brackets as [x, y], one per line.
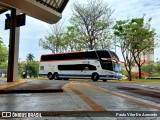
[94, 64]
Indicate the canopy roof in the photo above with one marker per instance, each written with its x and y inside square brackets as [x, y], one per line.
[3, 9]
[49, 11]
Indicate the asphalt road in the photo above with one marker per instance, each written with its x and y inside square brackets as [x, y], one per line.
[153, 90]
[82, 96]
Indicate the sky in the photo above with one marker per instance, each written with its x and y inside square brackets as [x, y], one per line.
[123, 9]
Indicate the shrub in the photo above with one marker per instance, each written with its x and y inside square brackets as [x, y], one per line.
[136, 74]
[156, 75]
[143, 74]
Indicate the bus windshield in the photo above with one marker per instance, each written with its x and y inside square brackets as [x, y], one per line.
[106, 64]
[110, 65]
[117, 67]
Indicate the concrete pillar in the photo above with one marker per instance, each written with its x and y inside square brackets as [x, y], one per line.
[16, 52]
[13, 48]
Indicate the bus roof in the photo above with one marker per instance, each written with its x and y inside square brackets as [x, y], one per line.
[76, 52]
[79, 55]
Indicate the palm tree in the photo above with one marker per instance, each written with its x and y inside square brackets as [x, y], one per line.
[30, 57]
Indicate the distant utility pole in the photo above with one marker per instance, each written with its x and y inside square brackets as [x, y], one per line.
[115, 42]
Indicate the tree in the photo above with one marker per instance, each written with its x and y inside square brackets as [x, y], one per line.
[104, 42]
[4, 65]
[32, 68]
[3, 52]
[30, 57]
[54, 41]
[158, 68]
[150, 68]
[21, 68]
[93, 20]
[73, 40]
[3, 68]
[136, 38]
[120, 31]
[142, 40]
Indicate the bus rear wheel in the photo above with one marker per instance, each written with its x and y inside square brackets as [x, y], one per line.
[56, 76]
[95, 76]
[50, 76]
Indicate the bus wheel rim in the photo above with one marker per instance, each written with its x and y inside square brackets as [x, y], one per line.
[95, 76]
[50, 76]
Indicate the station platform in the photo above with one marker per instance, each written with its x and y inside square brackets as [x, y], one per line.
[30, 86]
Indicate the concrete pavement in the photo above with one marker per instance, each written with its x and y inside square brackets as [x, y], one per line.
[77, 98]
[32, 86]
[4, 84]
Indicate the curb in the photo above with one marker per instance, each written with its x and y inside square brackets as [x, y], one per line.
[133, 82]
[4, 89]
[30, 91]
[12, 85]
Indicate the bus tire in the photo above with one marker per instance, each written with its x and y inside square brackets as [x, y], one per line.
[56, 76]
[50, 76]
[95, 76]
[104, 80]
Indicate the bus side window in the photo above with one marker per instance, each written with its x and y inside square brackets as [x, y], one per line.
[90, 67]
[86, 68]
[42, 68]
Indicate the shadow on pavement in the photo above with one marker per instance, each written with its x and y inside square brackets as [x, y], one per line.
[141, 92]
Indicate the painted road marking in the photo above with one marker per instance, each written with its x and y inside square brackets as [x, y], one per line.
[9, 85]
[90, 102]
[131, 98]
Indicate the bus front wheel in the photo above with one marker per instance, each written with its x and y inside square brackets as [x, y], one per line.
[95, 76]
[50, 76]
[56, 76]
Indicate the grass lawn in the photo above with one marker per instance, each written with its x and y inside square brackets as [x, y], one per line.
[139, 80]
[155, 81]
[147, 80]
[35, 78]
